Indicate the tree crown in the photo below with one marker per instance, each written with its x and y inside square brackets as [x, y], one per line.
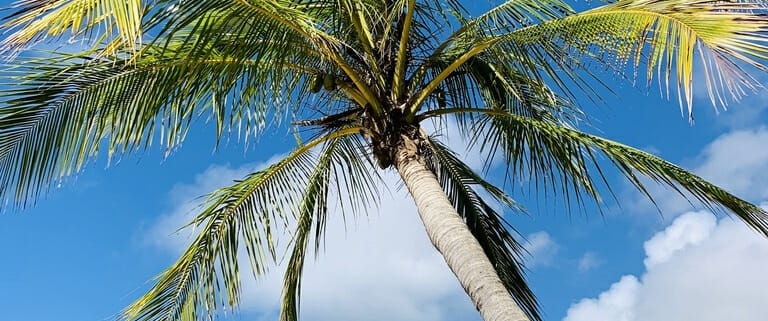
[359, 76]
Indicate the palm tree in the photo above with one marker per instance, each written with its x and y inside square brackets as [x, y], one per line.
[356, 79]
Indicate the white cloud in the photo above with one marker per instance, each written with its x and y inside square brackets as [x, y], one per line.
[615, 304]
[541, 248]
[738, 161]
[698, 268]
[588, 261]
[687, 230]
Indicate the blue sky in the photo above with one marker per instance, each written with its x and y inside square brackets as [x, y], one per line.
[90, 247]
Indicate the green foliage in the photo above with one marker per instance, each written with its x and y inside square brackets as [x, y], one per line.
[512, 78]
[550, 151]
[64, 109]
[340, 158]
[248, 214]
[208, 275]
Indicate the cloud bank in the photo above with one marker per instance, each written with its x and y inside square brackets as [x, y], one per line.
[698, 268]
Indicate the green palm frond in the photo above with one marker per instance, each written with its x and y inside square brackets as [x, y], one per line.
[484, 36]
[485, 54]
[230, 31]
[303, 21]
[398, 79]
[373, 71]
[559, 167]
[64, 109]
[35, 20]
[578, 148]
[207, 276]
[481, 82]
[343, 165]
[314, 208]
[669, 34]
[487, 225]
[517, 14]
[193, 285]
[313, 211]
[510, 15]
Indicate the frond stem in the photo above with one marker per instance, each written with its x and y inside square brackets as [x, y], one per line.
[370, 97]
[424, 94]
[446, 111]
[402, 51]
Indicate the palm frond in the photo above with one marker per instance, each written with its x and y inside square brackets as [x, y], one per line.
[33, 21]
[313, 209]
[488, 226]
[345, 166]
[668, 34]
[64, 108]
[207, 276]
[485, 36]
[510, 15]
[481, 82]
[569, 145]
[560, 167]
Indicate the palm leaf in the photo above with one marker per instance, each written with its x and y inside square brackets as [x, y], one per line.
[207, 276]
[553, 166]
[35, 20]
[569, 145]
[481, 82]
[669, 33]
[313, 209]
[501, 58]
[488, 226]
[509, 15]
[193, 285]
[65, 108]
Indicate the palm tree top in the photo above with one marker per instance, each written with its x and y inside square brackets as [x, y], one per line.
[356, 79]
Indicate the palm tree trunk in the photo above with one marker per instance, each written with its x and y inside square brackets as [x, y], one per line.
[453, 239]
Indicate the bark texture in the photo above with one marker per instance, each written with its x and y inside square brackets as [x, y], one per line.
[453, 239]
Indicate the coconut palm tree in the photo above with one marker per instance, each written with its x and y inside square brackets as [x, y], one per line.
[356, 79]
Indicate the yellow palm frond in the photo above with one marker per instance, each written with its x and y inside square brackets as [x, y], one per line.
[36, 20]
[669, 33]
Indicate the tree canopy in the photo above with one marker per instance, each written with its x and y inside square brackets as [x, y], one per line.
[354, 76]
